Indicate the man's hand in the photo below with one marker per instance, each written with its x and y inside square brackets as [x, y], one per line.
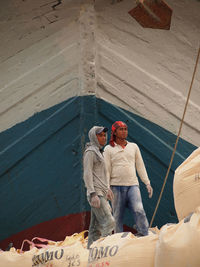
[150, 190]
[110, 195]
[95, 201]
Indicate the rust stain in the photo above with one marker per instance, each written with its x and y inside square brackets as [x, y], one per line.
[152, 14]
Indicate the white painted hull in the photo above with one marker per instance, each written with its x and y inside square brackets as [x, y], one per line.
[142, 70]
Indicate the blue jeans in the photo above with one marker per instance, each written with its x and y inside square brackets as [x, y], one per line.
[129, 196]
[101, 221]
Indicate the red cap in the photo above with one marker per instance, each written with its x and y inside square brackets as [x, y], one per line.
[115, 126]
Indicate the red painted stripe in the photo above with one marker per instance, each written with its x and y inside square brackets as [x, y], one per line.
[56, 229]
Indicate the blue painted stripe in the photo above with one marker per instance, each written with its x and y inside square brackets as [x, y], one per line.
[41, 163]
[39, 131]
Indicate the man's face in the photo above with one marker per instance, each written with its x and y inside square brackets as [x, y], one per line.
[121, 132]
[102, 138]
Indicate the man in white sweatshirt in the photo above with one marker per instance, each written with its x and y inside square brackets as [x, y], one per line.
[123, 159]
[96, 182]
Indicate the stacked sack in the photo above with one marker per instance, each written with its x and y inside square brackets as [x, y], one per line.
[179, 244]
[123, 249]
[186, 185]
[117, 250]
[70, 252]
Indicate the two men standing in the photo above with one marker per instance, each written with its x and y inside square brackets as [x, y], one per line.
[112, 175]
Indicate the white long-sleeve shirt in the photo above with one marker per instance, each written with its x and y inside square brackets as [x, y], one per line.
[122, 163]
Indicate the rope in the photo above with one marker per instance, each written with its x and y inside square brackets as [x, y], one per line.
[172, 157]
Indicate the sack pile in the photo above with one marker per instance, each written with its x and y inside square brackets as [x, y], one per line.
[175, 245]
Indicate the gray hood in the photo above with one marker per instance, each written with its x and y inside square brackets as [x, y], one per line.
[94, 145]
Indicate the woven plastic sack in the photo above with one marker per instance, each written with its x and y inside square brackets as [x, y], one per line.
[13, 258]
[123, 249]
[187, 185]
[59, 256]
[70, 252]
[179, 244]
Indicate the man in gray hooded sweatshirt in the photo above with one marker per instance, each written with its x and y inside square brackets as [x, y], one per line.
[96, 182]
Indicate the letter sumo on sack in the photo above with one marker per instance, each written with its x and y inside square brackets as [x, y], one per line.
[179, 244]
[187, 185]
[123, 249]
[73, 255]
